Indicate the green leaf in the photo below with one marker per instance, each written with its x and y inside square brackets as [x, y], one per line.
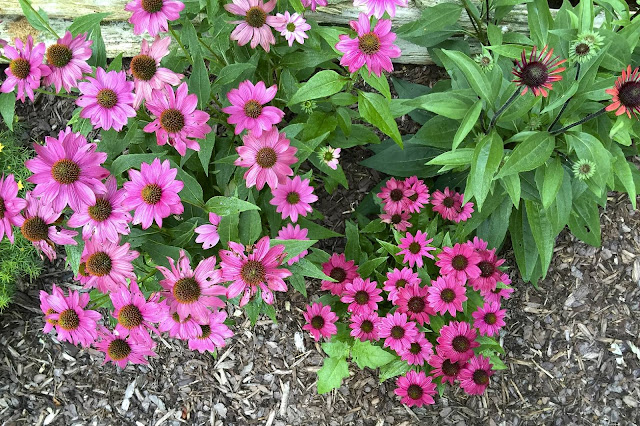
[225, 206]
[116, 63]
[404, 162]
[199, 81]
[336, 349]
[206, 149]
[160, 252]
[529, 154]
[253, 309]
[393, 369]
[331, 374]
[299, 283]
[468, 122]
[352, 249]
[74, 252]
[381, 84]
[228, 228]
[192, 191]
[317, 232]
[551, 182]
[306, 268]
[512, 184]
[344, 120]
[459, 157]
[542, 232]
[588, 147]
[433, 19]
[8, 108]
[447, 104]
[374, 226]
[584, 221]
[586, 14]
[130, 161]
[250, 227]
[375, 110]
[367, 355]
[486, 160]
[292, 248]
[38, 19]
[230, 74]
[622, 170]
[474, 75]
[323, 84]
[367, 268]
[86, 23]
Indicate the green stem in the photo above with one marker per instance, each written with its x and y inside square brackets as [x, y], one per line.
[503, 108]
[177, 38]
[149, 275]
[41, 19]
[62, 95]
[487, 3]
[478, 21]
[218, 59]
[579, 122]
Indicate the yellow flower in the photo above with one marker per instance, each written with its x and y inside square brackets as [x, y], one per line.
[20, 185]
[1, 147]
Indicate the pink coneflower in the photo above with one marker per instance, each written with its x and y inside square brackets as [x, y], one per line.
[378, 7]
[213, 333]
[72, 322]
[397, 331]
[365, 326]
[320, 321]
[312, 4]
[10, 206]
[106, 219]
[489, 272]
[121, 350]
[451, 205]
[290, 232]
[362, 296]
[626, 93]
[465, 212]
[340, 269]
[478, 244]
[489, 319]
[67, 60]
[46, 308]
[415, 388]
[291, 26]
[67, 170]
[108, 264]
[269, 158]
[372, 47]
[177, 122]
[395, 196]
[25, 69]
[148, 75]
[415, 247]
[398, 279]
[189, 292]
[38, 226]
[153, 193]
[256, 26]
[445, 367]
[185, 330]
[457, 340]
[446, 294]
[459, 261]
[153, 15]
[418, 352]
[292, 198]
[247, 110]
[257, 270]
[330, 156]
[498, 293]
[474, 377]
[208, 234]
[539, 72]
[400, 221]
[421, 195]
[412, 300]
[135, 315]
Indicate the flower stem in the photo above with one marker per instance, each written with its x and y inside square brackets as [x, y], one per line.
[579, 122]
[62, 95]
[487, 3]
[218, 59]
[503, 108]
[565, 103]
[177, 38]
[476, 21]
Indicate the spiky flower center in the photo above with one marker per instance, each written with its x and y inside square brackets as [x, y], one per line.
[397, 332]
[459, 262]
[317, 322]
[107, 98]
[99, 264]
[534, 74]
[415, 348]
[130, 316]
[485, 60]
[448, 202]
[490, 318]
[461, 344]
[3, 208]
[416, 305]
[293, 198]
[361, 297]
[415, 391]
[415, 247]
[480, 377]
[152, 6]
[59, 55]
[291, 27]
[65, 171]
[256, 17]
[338, 274]
[253, 272]
[629, 94]
[69, 319]
[266, 157]
[143, 67]
[396, 195]
[447, 295]
[206, 331]
[118, 349]
[253, 109]
[585, 168]
[366, 326]
[186, 290]
[401, 283]
[101, 210]
[486, 268]
[35, 229]
[582, 49]
[328, 156]
[172, 120]
[151, 194]
[369, 43]
[396, 219]
[20, 68]
[450, 368]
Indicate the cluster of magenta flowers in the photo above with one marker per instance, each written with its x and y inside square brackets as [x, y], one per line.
[398, 312]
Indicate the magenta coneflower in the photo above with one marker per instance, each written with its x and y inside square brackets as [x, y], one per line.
[626, 93]
[291, 232]
[459, 261]
[397, 331]
[247, 110]
[185, 330]
[257, 270]
[177, 122]
[153, 193]
[330, 156]
[362, 296]
[416, 389]
[395, 196]
[269, 158]
[365, 326]
[474, 377]
[10, 206]
[208, 234]
[400, 221]
[415, 247]
[498, 293]
[107, 99]
[148, 75]
[67, 60]
[292, 198]
[539, 72]
[189, 292]
[374, 48]
[108, 264]
[451, 206]
[46, 308]
[106, 219]
[446, 294]
[412, 300]
[312, 4]
[291, 26]
[489, 272]
[121, 350]
[489, 319]
[340, 269]
[444, 367]
[72, 322]
[38, 226]
[134, 313]
[398, 279]
[418, 352]
[320, 321]
[421, 195]
[153, 15]
[378, 7]
[457, 340]
[256, 26]
[213, 333]
[25, 69]
[67, 170]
